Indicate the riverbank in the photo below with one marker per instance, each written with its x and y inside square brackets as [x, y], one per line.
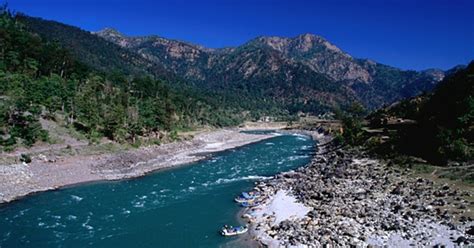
[346, 198]
[44, 173]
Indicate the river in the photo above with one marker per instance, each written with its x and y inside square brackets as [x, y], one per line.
[180, 207]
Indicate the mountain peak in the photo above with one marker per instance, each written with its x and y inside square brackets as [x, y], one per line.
[307, 41]
[109, 32]
[309, 36]
[113, 35]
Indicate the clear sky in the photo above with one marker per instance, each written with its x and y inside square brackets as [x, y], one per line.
[410, 34]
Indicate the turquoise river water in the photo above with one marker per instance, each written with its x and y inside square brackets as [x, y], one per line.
[181, 207]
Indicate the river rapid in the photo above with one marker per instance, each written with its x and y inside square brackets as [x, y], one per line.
[180, 207]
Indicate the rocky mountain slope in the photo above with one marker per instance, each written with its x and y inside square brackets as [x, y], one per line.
[329, 74]
[305, 73]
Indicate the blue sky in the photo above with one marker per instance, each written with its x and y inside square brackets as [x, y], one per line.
[407, 34]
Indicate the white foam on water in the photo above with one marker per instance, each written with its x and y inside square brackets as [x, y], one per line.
[86, 224]
[76, 198]
[57, 217]
[88, 227]
[6, 236]
[107, 217]
[106, 237]
[56, 224]
[71, 217]
[299, 135]
[139, 204]
[22, 212]
[293, 158]
[230, 180]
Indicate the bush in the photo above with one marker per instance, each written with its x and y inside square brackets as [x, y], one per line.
[25, 158]
[352, 131]
[460, 149]
[94, 136]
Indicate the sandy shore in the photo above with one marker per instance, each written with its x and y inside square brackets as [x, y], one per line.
[18, 180]
[282, 206]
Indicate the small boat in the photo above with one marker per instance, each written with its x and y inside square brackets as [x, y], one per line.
[250, 195]
[232, 231]
[248, 204]
[240, 199]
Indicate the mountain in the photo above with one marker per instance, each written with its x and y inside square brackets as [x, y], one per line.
[42, 80]
[305, 73]
[92, 50]
[329, 74]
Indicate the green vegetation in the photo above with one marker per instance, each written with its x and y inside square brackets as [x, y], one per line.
[40, 79]
[352, 133]
[442, 128]
[25, 158]
[447, 117]
[220, 104]
[97, 89]
[245, 83]
[90, 49]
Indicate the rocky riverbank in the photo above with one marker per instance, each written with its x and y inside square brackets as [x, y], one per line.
[354, 200]
[51, 172]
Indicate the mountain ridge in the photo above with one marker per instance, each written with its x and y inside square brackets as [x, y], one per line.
[105, 32]
[308, 51]
[305, 73]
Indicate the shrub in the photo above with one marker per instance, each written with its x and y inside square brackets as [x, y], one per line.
[25, 158]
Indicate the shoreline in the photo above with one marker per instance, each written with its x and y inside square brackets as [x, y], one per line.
[343, 197]
[21, 180]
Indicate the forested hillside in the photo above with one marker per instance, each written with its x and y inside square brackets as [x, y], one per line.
[41, 79]
[110, 85]
[266, 76]
[306, 73]
[444, 120]
[91, 50]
